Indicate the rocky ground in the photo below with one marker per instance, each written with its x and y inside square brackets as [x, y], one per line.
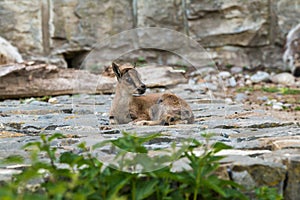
[258, 113]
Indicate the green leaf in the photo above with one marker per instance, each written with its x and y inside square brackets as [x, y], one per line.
[116, 182]
[69, 158]
[213, 183]
[56, 136]
[145, 188]
[218, 146]
[32, 145]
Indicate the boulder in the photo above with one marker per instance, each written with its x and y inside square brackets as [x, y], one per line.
[219, 23]
[20, 80]
[255, 172]
[21, 23]
[157, 13]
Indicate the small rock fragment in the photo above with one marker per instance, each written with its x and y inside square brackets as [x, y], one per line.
[236, 70]
[248, 82]
[263, 98]
[260, 76]
[53, 100]
[277, 106]
[232, 82]
[224, 74]
[228, 101]
[240, 97]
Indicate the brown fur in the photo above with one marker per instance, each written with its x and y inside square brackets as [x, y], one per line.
[151, 109]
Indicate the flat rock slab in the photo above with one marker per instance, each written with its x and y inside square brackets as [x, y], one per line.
[23, 80]
[257, 137]
[20, 80]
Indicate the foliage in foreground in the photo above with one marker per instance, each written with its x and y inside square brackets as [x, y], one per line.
[73, 176]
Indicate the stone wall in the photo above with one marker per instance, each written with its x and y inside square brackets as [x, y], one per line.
[236, 32]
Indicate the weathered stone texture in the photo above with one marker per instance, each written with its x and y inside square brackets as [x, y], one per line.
[287, 13]
[236, 32]
[290, 157]
[80, 24]
[219, 22]
[164, 14]
[21, 24]
[293, 181]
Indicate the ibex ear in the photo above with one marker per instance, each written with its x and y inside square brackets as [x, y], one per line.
[116, 70]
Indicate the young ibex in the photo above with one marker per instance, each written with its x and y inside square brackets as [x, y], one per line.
[151, 109]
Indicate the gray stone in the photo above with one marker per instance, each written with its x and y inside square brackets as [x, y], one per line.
[80, 24]
[62, 32]
[260, 76]
[293, 187]
[214, 23]
[263, 98]
[283, 78]
[236, 70]
[289, 157]
[160, 76]
[224, 74]
[232, 82]
[255, 172]
[21, 25]
[240, 97]
[277, 106]
[169, 14]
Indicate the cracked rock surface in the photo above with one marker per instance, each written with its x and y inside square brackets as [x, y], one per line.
[265, 141]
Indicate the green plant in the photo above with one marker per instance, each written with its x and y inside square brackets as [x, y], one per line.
[284, 91]
[270, 89]
[266, 193]
[289, 91]
[73, 176]
[244, 89]
[229, 66]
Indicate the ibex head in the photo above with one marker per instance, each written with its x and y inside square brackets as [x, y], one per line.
[129, 78]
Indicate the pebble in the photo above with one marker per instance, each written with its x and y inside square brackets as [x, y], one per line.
[271, 102]
[53, 100]
[283, 78]
[287, 105]
[263, 98]
[277, 106]
[39, 103]
[240, 97]
[248, 82]
[260, 76]
[236, 70]
[224, 74]
[228, 101]
[232, 82]
[28, 101]
[209, 86]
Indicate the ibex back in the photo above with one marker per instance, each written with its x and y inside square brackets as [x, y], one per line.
[130, 105]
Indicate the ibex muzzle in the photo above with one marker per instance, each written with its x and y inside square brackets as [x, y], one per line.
[129, 105]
